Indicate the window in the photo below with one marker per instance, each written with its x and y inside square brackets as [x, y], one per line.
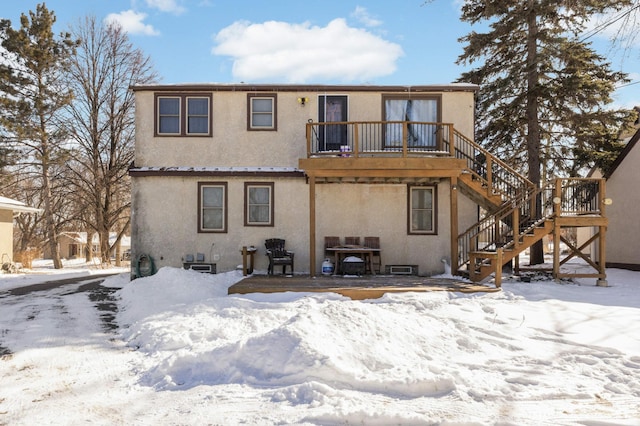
[197, 115]
[421, 113]
[183, 115]
[262, 112]
[422, 210]
[258, 204]
[212, 207]
[169, 115]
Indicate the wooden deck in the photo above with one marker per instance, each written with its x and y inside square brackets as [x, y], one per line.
[356, 288]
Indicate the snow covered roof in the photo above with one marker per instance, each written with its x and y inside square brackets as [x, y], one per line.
[16, 206]
[81, 238]
[216, 170]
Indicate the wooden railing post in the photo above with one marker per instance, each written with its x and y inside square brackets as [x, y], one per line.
[405, 138]
[452, 141]
[308, 131]
[489, 161]
[516, 226]
[498, 278]
[356, 143]
[557, 196]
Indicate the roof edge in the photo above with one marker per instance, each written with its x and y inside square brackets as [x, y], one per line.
[245, 87]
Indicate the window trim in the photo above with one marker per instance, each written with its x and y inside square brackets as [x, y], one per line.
[225, 207]
[247, 187]
[274, 112]
[434, 208]
[182, 117]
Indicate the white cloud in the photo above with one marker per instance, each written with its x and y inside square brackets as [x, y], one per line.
[171, 6]
[131, 22]
[298, 53]
[363, 16]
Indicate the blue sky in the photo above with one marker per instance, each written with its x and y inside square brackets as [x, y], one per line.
[407, 42]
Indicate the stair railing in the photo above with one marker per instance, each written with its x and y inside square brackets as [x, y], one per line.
[506, 227]
[497, 176]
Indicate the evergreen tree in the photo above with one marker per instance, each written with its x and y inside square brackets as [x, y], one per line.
[543, 92]
[32, 97]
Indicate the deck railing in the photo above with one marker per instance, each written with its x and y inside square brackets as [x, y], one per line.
[383, 138]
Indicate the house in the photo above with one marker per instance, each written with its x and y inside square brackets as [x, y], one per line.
[623, 242]
[73, 245]
[219, 167]
[8, 210]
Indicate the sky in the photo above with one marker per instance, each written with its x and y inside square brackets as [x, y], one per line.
[185, 352]
[407, 42]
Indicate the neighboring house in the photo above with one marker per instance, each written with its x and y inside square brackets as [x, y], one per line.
[222, 166]
[8, 210]
[74, 245]
[623, 234]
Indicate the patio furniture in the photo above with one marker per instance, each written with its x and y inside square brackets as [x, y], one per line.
[376, 261]
[330, 242]
[343, 252]
[278, 255]
[351, 241]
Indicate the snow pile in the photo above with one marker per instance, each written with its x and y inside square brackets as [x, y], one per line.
[531, 353]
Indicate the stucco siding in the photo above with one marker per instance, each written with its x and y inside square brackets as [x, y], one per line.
[623, 232]
[164, 224]
[232, 145]
[6, 235]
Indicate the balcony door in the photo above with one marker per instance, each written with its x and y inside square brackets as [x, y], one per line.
[417, 112]
[332, 109]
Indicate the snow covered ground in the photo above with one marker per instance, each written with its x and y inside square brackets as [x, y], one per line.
[537, 353]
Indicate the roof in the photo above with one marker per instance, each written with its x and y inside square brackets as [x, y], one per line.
[81, 238]
[245, 87]
[16, 206]
[217, 171]
[627, 149]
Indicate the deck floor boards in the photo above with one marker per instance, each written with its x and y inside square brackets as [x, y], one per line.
[356, 288]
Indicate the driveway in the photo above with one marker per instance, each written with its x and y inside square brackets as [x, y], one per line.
[69, 303]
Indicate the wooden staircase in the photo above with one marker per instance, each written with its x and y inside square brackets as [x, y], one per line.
[517, 213]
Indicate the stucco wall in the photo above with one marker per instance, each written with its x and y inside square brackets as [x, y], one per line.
[231, 145]
[381, 210]
[6, 235]
[623, 233]
[165, 222]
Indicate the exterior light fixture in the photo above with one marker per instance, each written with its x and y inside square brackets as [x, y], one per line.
[303, 101]
[556, 200]
[607, 201]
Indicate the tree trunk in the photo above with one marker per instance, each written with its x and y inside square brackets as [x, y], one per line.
[50, 223]
[533, 126]
[89, 247]
[104, 246]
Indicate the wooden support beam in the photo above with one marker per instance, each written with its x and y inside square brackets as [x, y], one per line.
[453, 194]
[312, 227]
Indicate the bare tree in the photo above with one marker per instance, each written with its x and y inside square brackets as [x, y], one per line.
[32, 95]
[105, 66]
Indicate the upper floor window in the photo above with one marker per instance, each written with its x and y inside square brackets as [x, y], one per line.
[422, 210]
[261, 112]
[258, 204]
[212, 207]
[183, 115]
[422, 114]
